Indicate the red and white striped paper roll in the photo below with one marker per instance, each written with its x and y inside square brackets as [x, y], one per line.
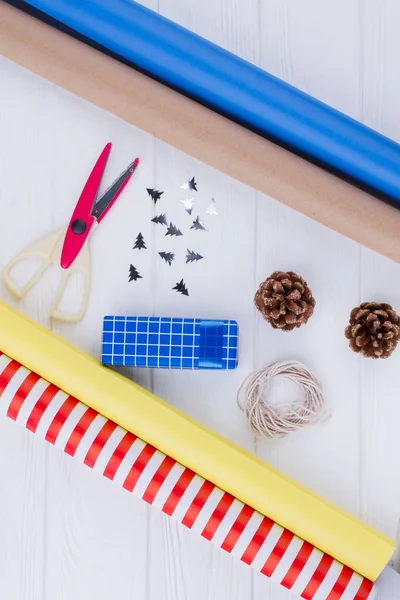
[158, 479]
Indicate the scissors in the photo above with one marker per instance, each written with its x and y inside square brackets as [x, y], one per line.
[68, 248]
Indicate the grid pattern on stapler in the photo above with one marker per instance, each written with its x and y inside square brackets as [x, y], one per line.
[174, 343]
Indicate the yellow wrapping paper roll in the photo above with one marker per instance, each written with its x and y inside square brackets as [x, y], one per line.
[230, 467]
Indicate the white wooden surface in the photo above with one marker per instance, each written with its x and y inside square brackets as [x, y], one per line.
[66, 533]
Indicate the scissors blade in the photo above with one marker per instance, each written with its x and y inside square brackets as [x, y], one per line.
[82, 220]
[105, 202]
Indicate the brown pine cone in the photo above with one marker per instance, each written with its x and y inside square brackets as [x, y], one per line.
[285, 300]
[374, 330]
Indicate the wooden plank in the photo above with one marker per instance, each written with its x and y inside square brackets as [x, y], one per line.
[199, 570]
[22, 461]
[100, 544]
[313, 47]
[73, 532]
[379, 406]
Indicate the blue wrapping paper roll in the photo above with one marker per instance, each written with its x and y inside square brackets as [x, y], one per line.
[235, 87]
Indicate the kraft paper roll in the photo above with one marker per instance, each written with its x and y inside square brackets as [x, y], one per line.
[141, 469]
[198, 131]
[234, 87]
[212, 457]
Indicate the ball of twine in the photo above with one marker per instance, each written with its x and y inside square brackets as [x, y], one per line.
[275, 422]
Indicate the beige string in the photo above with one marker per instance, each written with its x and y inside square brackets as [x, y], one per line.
[275, 422]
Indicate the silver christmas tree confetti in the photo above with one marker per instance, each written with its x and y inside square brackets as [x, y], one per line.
[197, 224]
[188, 204]
[190, 185]
[192, 256]
[140, 243]
[181, 287]
[212, 208]
[154, 194]
[172, 230]
[160, 220]
[134, 274]
[167, 256]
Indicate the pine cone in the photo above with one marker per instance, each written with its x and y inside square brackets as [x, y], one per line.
[285, 300]
[374, 330]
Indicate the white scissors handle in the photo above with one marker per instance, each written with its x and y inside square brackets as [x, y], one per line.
[69, 248]
[49, 250]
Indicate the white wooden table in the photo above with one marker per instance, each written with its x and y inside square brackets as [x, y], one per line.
[66, 533]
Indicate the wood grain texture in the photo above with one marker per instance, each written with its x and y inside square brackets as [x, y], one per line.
[379, 411]
[64, 532]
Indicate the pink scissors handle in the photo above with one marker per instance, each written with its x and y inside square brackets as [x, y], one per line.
[82, 220]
